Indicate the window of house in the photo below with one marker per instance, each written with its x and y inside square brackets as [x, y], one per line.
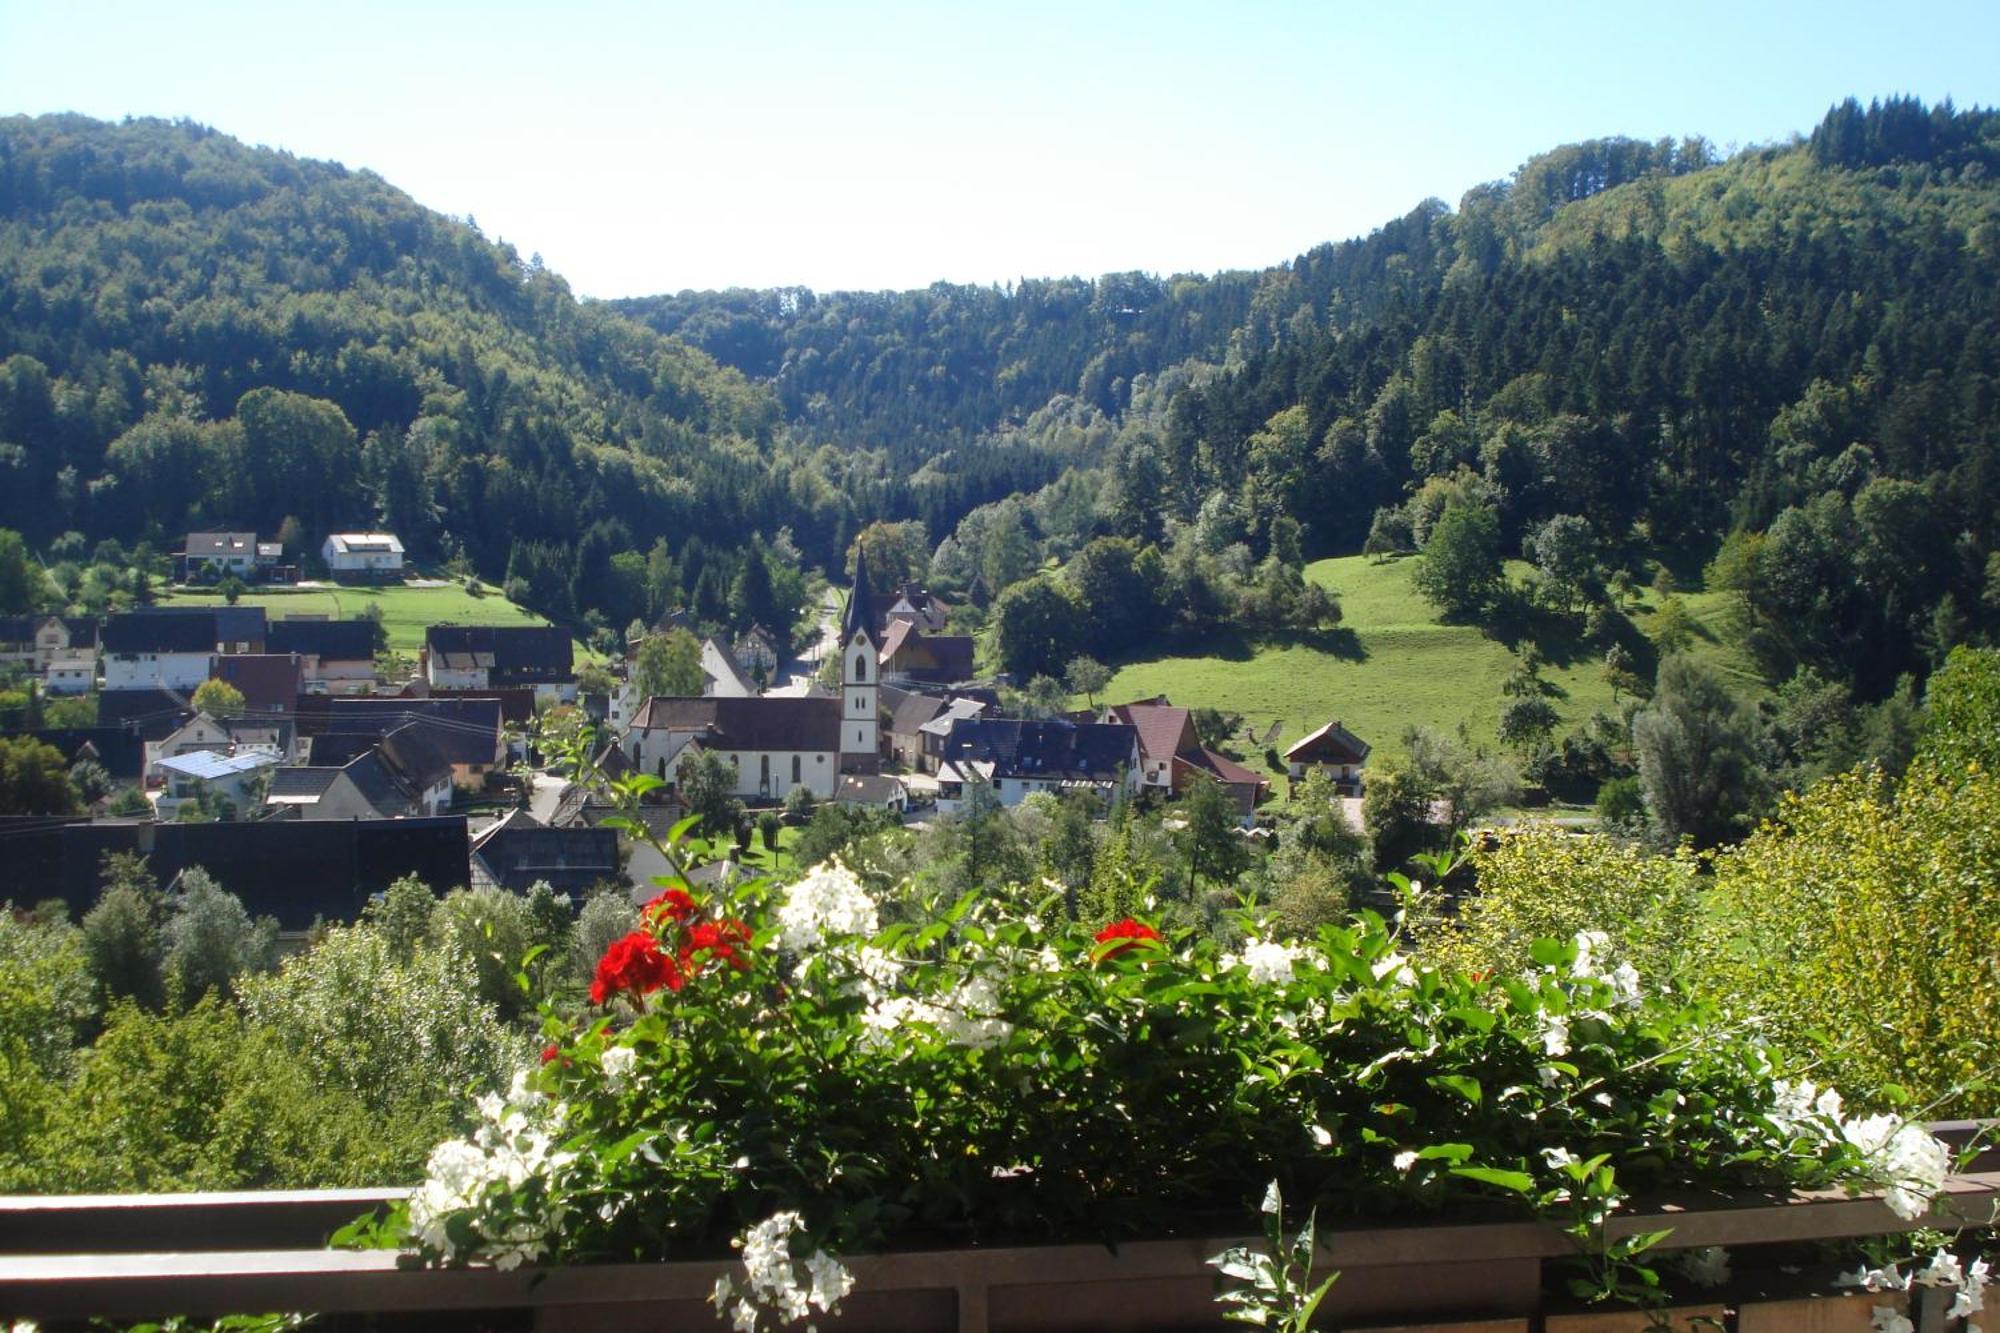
[796, 765]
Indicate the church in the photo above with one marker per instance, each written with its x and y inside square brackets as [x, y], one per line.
[776, 744]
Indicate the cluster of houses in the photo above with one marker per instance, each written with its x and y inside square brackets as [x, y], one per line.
[319, 742]
[348, 556]
[906, 704]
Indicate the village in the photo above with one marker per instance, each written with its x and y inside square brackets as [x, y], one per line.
[274, 754]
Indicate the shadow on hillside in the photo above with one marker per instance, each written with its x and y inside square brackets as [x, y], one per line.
[1559, 638]
[1236, 646]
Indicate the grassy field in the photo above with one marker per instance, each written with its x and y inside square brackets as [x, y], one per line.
[406, 612]
[1392, 665]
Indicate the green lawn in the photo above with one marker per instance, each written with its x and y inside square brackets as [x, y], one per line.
[1392, 665]
[406, 612]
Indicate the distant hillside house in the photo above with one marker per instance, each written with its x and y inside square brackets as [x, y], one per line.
[757, 653]
[479, 657]
[37, 641]
[221, 553]
[910, 654]
[1017, 758]
[362, 554]
[1334, 749]
[910, 604]
[338, 655]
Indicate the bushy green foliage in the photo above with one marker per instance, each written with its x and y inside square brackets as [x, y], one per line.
[1544, 882]
[407, 1037]
[1859, 925]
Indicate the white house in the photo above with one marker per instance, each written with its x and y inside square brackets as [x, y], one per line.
[155, 651]
[724, 678]
[1334, 749]
[71, 671]
[363, 553]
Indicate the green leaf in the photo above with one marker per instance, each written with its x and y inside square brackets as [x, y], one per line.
[1548, 953]
[1479, 1020]
[1449, 1152]
[1467, 1088]
[1520, 1182]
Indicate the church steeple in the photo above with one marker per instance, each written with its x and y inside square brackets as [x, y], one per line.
[860, 605]
[860, 704]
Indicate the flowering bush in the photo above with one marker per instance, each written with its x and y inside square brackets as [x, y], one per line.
[778, 1071]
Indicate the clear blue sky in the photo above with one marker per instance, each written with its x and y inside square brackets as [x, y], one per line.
[646, 147]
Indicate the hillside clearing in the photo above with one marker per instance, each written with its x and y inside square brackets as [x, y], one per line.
[1392, 665]
[406, 612]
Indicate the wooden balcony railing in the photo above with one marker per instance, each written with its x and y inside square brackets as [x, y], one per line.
[144, 1256]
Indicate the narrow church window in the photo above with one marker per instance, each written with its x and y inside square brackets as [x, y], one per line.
[860, 667]
[795, 768]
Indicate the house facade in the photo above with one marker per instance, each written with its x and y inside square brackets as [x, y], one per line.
[158, 651]
[1015, 758]
[504, 657]
[365, 554]
[1333, 749]
[338, 656]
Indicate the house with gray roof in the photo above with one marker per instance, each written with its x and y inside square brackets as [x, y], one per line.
[1016, 758]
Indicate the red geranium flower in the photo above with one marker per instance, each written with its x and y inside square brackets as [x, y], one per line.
[1124, 935]
[634, 965]
[672, 905]
[719, 940]
[550, 1052]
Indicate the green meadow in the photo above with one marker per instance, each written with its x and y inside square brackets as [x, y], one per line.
[1392, 664]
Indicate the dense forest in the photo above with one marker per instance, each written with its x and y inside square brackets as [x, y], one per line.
[1778, 370]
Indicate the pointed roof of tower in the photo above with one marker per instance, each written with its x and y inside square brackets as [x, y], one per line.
[860, 604]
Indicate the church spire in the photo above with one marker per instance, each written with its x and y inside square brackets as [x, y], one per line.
[860, 605]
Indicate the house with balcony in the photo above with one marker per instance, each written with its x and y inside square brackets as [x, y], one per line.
[337, 656]
[1334, 750]
[208, 777]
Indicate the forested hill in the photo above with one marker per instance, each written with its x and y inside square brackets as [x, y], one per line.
[198, 333]
[1799, 345]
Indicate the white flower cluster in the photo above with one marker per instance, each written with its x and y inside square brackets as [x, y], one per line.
[514, 1144]
[1268, 962]
[1905, 1159]
[774, 1282]
[968, 1016]
[1623, 979]
[1966, 1282]
[617, 1063]
[828, 901]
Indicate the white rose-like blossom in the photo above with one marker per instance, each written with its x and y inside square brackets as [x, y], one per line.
[617, 1062]
[1268, 962]
[1908, 1163]
[828, 901]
